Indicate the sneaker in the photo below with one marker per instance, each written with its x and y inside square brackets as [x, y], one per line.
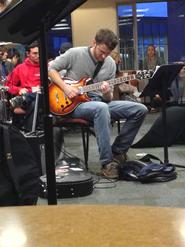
[120, 158]
[153, 110]
[110, 170]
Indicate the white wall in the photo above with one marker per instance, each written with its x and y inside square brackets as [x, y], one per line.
[91, 16]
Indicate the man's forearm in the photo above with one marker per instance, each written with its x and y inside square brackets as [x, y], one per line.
[56, 78]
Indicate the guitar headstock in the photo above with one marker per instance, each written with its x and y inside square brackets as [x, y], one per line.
[144, 74]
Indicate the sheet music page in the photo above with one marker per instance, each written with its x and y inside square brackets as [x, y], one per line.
[156, 68]
[137, 94]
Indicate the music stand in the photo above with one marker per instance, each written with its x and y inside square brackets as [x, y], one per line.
[22, 22]
[160, 84]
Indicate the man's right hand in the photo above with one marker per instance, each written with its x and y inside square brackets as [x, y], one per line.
[70, 91]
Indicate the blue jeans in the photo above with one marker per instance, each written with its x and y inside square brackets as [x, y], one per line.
[101, 113]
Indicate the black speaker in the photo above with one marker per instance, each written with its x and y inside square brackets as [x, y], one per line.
[36, 141]
[175, 117]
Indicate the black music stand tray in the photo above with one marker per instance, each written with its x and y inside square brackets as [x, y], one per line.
[160, 84]
[24, 21]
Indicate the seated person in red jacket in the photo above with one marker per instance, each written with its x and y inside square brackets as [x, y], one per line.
[23, 82]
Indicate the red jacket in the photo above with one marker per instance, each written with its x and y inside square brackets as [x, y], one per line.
[25, 75]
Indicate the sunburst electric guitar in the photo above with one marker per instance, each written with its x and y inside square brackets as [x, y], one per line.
[60, 104]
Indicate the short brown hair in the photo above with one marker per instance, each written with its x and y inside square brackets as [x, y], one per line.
[32, 45]
[107, 37]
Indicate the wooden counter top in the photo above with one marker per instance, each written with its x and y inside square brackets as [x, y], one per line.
[91, 225]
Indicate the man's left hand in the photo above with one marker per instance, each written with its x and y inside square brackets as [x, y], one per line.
[105, 88]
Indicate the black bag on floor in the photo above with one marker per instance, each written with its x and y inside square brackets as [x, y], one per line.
[19, 173]
[146, 170]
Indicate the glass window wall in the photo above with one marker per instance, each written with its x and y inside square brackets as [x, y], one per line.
[157, 23]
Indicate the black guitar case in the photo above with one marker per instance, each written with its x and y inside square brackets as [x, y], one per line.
[72, 180]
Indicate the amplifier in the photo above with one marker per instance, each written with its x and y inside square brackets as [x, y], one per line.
[36, 141]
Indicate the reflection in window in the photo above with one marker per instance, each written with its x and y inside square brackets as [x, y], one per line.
[125, 22]
[152, 29]
[158, 9]
[158, 23]
[59, 34]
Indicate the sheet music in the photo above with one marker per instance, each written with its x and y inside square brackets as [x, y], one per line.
[156, 69]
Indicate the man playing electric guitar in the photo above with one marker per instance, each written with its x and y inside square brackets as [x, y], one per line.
[81, 62]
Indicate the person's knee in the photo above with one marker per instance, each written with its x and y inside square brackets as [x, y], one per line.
[142, 110]
[102, 108]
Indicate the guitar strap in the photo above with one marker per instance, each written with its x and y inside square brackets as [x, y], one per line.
[98, 65]
[97, 69]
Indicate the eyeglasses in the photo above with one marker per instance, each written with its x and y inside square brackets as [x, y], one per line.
[103, 51]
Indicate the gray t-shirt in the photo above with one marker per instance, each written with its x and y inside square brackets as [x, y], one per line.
[79, 63]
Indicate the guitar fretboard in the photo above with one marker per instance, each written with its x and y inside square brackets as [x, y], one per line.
[112, 82]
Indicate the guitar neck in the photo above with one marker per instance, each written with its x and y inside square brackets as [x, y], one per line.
[112, 82]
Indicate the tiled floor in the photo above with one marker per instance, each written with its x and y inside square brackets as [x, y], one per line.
[169, 194]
